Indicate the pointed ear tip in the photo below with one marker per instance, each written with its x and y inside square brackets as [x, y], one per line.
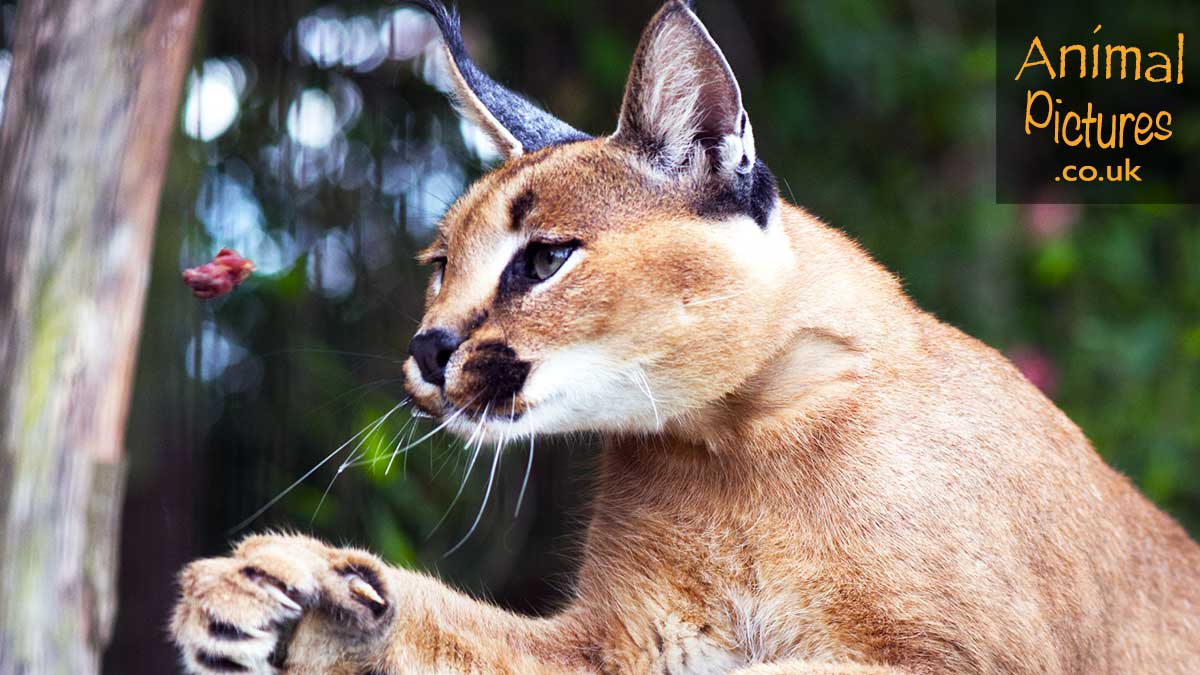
[688, 5]
[679, 10]
[445, 16]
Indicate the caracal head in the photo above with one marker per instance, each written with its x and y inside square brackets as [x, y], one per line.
[613, 284]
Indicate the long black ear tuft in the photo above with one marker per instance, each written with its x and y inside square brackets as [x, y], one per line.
[683, 113]
[514, 124]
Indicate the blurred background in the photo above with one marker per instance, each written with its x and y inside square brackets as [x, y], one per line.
[314, 140]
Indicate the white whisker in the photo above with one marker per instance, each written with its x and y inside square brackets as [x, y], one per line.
[412, 420]
[365, 430]
[477, 434]
[404, 462]
[525, 480]
[639, 378]
[354, 456]
[445, 423]
[483, 505]
[719, 298]
[378, 456]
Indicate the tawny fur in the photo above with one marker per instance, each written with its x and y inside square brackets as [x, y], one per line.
[819, 478]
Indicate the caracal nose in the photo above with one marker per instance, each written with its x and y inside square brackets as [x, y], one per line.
[432, 350]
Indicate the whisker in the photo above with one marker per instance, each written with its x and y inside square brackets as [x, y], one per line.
[339, 352]
[404, 461]
[446, 458]
[324, 494]
[717, 298]
[445, 423]
[354, 455]
[525, 481]
[500, 443]
[483, 505]
[470, 465]
[364, 388]
[254, 516]
[789, 187]
[639, 378]
[378, 456]
[445, 204]
[411, 423]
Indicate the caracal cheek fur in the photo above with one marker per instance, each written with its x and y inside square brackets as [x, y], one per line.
[802, 472]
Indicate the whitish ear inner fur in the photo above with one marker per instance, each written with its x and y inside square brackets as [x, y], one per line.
[469, 106]
[671, 107]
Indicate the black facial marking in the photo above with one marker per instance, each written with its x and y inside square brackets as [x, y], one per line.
[499, 371]
[513, 280]
[519, 208]
[226, 631]
[516, 277]
[219, 664]
[753, 194]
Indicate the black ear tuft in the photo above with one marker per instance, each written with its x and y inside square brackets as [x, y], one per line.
[516, 125]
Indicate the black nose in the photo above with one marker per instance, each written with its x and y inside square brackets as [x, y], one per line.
[432, 351]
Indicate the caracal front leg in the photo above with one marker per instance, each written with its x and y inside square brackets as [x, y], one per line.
[290, 604]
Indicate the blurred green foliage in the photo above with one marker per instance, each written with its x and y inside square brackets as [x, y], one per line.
[878, 116]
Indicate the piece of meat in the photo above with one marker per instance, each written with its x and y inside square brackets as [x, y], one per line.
[216, 278]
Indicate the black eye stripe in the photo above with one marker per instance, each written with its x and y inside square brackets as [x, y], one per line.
[517, 276]
[513, 280]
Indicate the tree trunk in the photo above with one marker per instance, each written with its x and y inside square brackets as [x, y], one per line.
[88, 117]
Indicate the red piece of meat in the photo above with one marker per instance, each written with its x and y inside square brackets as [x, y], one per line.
[216, 278]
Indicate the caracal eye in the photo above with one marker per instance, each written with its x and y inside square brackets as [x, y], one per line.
[543, 260]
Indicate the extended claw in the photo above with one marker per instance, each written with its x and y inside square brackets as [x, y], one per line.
[282, 598]
[365, 591]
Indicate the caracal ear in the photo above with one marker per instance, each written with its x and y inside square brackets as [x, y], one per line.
[682, 104]
[515, 125]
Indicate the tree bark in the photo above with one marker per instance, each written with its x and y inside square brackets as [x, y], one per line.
[90, 107]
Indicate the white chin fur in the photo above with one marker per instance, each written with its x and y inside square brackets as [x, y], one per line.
[575, 390]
